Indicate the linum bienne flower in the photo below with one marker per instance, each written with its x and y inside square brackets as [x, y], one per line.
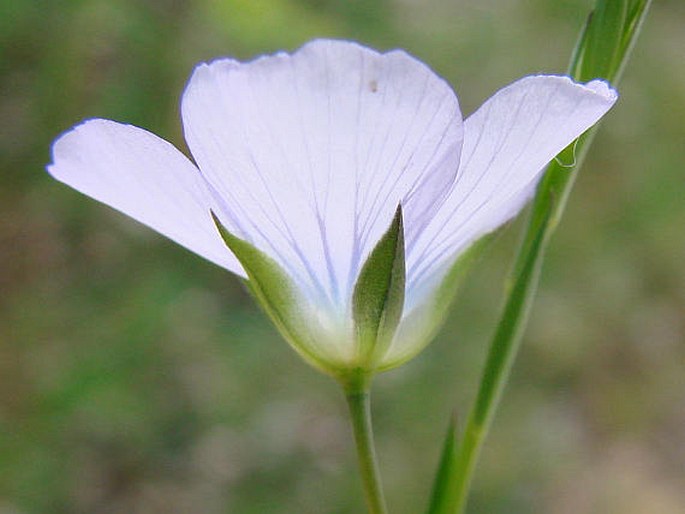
[340, 182]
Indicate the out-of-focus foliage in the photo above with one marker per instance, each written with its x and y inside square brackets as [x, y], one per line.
[135, 377]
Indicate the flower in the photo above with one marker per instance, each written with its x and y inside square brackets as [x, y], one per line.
[306, 159]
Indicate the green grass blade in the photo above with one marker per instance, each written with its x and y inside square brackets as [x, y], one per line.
[442, 501]
[602, 51]
[603, 45]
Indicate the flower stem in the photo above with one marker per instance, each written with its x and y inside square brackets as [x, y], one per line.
[359, 403]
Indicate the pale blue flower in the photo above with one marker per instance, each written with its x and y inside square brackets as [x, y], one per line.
[306, 156]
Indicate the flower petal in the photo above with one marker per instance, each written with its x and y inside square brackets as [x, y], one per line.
[507, 144]
[311, 153]
[144, 177]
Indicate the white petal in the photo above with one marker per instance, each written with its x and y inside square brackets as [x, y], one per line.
[312, 152]
[507, 144]
[144, 177]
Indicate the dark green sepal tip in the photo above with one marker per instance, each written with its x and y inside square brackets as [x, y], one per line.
[378, 297]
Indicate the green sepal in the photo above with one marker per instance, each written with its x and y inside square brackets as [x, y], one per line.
[276, 295]
[427, 319]
[442, 501]
[378, 297]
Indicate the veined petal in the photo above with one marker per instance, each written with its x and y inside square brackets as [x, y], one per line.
[309, 154]
[144, 177]
[507, 144]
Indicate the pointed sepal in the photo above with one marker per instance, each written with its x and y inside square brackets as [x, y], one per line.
[420, 325]
[378, 297]
[278, 296]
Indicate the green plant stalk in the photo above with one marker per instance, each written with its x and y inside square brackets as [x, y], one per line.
[359, 404]
[547, 209]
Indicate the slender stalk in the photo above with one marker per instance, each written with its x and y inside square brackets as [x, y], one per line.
[359, 403]
[498, 365]
[546, 211]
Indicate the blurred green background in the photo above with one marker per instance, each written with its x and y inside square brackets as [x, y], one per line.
[137, 378]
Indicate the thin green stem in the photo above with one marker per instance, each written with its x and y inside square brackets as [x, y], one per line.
[546, 212]
[498, 365]
[359, 403]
